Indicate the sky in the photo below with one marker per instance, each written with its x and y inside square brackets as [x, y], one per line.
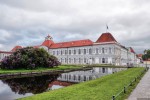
[28, 22]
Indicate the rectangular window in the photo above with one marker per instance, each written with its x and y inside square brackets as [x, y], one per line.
[84, 51]
[79, 51]
[61, 52]
[110, 50]
[84, 60]
[66, 52]
[53, 52]
[69, 52]
[103, 50]
[97, 50]
[74, 51]
[57, 52]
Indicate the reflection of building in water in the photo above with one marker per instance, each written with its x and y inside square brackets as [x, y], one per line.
[81, 76]
[58, 84]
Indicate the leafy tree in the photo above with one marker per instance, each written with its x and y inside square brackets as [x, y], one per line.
[29, 58]
[146, 55]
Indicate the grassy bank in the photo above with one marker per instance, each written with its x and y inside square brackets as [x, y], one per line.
[100, 89]
[62, 67]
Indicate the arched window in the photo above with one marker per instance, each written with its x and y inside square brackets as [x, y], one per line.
[79, 78]
[103, 70]
[90, 51]
[84, 78]
[103, 60]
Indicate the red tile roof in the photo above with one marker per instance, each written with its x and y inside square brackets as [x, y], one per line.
[77, 43]
[59, 83]
[139, 55]
[47, 43]
[106, 37]
[131, 50]
[16, 48]
[36, 46]
[7, 52]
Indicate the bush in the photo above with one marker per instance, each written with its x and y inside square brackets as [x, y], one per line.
[29, 58]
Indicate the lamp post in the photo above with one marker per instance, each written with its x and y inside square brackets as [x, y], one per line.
[146, 59]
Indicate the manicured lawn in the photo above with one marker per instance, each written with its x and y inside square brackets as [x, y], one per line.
[100, 89]
[62, 67]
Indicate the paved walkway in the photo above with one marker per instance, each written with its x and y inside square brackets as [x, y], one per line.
[142, 91]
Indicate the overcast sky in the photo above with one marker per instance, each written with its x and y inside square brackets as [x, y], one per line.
[28, 22]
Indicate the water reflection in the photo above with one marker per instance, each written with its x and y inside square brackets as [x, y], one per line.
[58, 84]
[26, 86]
[81, 76]
[14, 88]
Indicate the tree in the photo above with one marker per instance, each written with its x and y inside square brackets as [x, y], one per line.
[146, 55]
[29, 58]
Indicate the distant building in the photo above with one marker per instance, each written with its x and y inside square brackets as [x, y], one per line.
[139, 56]
[106, 50]
[4, 54]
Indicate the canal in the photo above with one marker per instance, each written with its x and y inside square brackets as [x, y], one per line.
[18, 87]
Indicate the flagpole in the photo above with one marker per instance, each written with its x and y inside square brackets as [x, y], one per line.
[107, 28]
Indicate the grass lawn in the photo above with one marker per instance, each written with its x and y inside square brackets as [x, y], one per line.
[62, 67]
[100, 89]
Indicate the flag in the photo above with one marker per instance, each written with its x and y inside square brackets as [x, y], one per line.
[107, 27]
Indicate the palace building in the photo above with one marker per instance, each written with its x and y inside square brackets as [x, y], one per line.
[106, 50]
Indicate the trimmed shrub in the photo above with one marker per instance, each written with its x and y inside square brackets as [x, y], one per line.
[29, 58]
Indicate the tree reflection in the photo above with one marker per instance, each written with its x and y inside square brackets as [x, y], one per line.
[36, 84]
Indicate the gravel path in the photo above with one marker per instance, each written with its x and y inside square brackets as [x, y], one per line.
[142, 91]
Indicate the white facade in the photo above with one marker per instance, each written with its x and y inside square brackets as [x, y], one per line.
[4, 54]
[106, 50]
[96, 54]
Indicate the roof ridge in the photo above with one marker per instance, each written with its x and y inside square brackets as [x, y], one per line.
[73, 41]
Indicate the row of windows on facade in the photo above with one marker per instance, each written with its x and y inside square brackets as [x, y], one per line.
[74, 77]
[84, 60]
[79, 77]
[82, 51]
[3, 55]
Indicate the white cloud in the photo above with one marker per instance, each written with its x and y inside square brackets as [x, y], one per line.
[27, 22]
